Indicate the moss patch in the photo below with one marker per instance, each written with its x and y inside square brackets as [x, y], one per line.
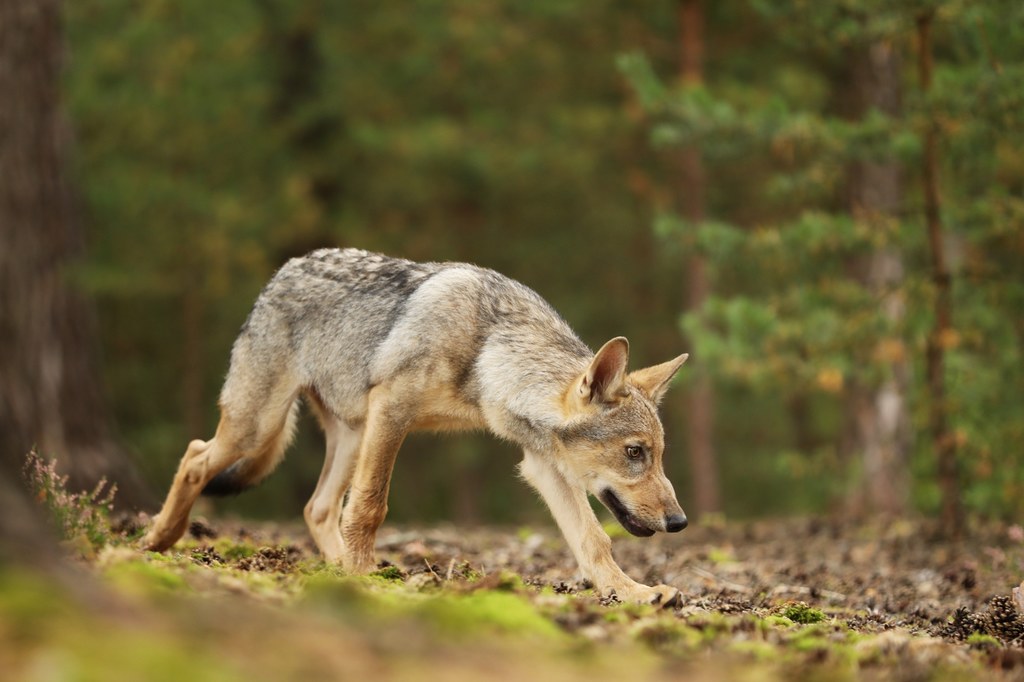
[799, 612]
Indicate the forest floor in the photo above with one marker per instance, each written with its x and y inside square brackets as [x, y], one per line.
[797, 599]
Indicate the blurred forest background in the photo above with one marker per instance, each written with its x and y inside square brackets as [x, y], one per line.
[823, 202]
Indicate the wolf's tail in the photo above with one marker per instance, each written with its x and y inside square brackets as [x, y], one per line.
[254, 467]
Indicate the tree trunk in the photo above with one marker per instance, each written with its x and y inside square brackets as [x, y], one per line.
[700, 412]
[882, 423]
[50, 393]
[942, 440]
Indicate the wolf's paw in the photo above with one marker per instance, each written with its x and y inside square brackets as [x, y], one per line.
[152, 542]
[664, 596]
[161, 537]
[358, 563]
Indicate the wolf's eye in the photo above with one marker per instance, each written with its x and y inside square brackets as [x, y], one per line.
[634, 451]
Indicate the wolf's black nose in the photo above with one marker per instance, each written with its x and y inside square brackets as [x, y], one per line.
[675, 522]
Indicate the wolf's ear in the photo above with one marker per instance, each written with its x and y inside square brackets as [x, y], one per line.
[654, 380]
[605, 379]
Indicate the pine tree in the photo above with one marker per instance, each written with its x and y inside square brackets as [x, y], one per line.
[50, 392]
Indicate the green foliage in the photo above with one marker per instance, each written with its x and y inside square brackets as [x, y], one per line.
[213, 142]
[792, 314]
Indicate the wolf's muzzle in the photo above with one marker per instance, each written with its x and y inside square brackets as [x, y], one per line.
[623, 515]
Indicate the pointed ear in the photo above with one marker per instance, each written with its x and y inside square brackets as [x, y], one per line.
[654, 380]
[605, 379]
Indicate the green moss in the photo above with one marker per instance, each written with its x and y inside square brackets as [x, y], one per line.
[777, 622]
[507, 581]
[473, 614]
[389, 573]
[613, 615]
[27, 604]
[981, 641]
[633, 610]
[761, 651]
[668, 636]
[233, 551]
[711, 625]
[799, 612]
[487, 611]
[811, 642]
[139, 656]
[146, 577]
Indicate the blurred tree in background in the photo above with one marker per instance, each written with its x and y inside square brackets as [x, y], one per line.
[214, 141]
[825, 284]
[50, 390]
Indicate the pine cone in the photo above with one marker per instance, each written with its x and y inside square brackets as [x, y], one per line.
[1003, 620]
[964, 623]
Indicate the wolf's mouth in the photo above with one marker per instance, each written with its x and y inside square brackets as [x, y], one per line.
[622, 515]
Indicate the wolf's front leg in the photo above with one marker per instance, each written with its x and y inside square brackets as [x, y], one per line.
[589, 543]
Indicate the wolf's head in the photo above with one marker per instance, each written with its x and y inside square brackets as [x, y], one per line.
[613, 441]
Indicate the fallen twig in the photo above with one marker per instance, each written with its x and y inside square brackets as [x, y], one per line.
[803, 589]
[728, 584]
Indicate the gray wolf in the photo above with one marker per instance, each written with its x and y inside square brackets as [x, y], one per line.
[381, 346]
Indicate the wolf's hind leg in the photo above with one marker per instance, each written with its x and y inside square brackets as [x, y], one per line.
[367, 505]
[202, 461]
[323, 511]
[259, 435]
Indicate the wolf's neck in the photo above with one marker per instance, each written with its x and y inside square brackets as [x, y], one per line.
[522, 396]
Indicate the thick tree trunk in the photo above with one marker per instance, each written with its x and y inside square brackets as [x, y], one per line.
[700, 413]
[942, 440]
[50, 393]
[882, 422]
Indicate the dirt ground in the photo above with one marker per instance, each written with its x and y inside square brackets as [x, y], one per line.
[794, 599]
[881, 576]
[895, 575]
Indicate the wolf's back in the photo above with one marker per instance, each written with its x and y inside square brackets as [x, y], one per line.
[337, 322]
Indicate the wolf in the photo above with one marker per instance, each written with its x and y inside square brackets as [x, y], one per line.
[382, 346]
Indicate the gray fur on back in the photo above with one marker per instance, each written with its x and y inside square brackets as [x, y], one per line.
[338, 322]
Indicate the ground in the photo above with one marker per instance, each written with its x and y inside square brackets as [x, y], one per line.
[762, 600]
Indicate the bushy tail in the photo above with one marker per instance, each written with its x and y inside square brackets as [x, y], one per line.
[250, 471]
[233, 480]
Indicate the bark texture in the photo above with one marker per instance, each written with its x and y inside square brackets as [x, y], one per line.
[882, 424]
[700, 411]
[943, 442]
[50, 393]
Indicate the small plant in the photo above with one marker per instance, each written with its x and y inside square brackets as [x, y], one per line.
[82, 514]
[800, 612]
